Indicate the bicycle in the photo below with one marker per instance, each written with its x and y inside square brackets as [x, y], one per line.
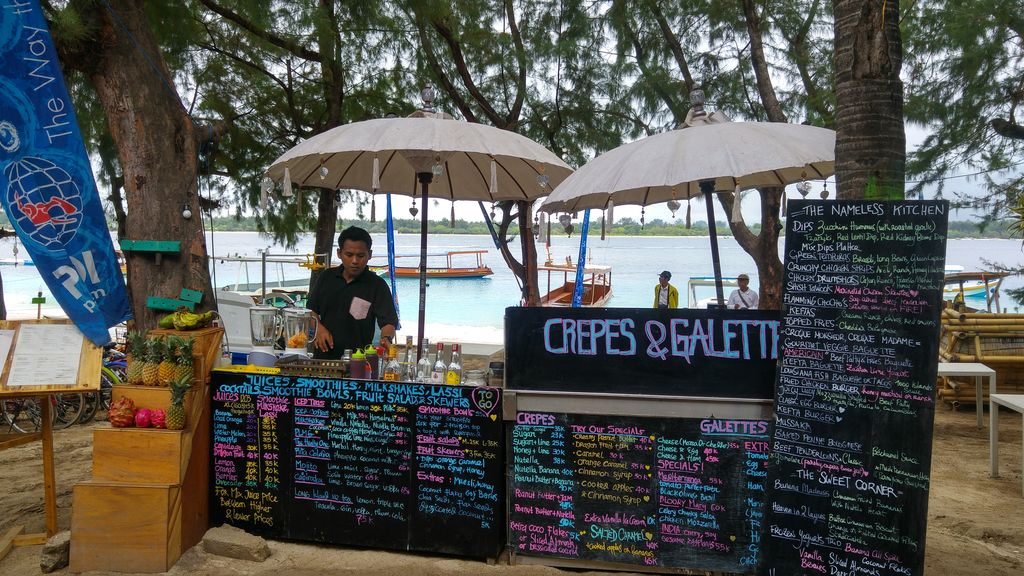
[113, 371]
[24, 415]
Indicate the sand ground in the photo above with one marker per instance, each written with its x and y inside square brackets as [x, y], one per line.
[975, 523]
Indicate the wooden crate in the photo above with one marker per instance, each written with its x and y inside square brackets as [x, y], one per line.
[207, 343]
[125, 527]
[142, 455]
[152, 397]
[126, 519]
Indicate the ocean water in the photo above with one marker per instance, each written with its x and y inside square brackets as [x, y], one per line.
[472, 310]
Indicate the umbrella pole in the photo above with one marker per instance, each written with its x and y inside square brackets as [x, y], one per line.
[708, 188]
[425, 178]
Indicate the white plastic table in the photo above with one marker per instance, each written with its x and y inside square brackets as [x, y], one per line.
[977, 370]
[1013, 402]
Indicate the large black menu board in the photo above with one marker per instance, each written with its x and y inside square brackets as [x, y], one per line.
[394, 465]
[855, 400]
[683, 493]
[682, 352]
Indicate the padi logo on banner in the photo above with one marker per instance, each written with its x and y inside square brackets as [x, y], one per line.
[46, 182]
[44, 201]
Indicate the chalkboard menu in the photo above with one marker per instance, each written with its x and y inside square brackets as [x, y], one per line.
[856, 388]
[684, 493]
[682, 352]
[392, 465]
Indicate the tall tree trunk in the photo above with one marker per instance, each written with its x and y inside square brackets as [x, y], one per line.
[764, 247]
[326, 225]
[870, 140]
[155, 141]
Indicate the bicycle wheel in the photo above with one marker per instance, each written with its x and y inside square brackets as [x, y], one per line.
[67, 409]
[90, 407]
[22, 415]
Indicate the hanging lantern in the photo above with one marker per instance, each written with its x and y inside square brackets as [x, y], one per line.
[438, 168]
[673, 206]
[564, 220]
[323, 172]
[804, 188]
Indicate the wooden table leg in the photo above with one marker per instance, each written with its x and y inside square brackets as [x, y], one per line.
[49, 485]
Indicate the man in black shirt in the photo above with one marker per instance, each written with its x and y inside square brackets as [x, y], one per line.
[349, 298]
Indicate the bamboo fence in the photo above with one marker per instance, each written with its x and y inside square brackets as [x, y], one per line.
[996, 340]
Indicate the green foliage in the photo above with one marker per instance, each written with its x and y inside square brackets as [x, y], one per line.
[964, 65]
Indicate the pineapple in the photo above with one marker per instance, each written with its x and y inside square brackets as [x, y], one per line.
[167, 366]
[151, 370]
[136, 356]
[176, 413]
[184, 367]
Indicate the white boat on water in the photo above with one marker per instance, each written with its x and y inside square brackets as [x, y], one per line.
[700, 291]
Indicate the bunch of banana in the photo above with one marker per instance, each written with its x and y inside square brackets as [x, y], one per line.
[182, 319]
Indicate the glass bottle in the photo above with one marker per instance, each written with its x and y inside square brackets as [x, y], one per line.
[423, 364]
[454, 373]
[438, 372]
[408, 366]
[392, 369]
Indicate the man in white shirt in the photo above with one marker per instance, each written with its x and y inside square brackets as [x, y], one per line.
[743, 298]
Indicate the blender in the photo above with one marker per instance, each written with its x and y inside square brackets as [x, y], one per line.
[299, 329]
[265, 324]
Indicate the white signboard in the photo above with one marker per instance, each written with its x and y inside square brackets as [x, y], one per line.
[46, 355]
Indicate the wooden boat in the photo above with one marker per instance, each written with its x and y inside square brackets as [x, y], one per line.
[448, 270]
[976, 284]
[597, 284]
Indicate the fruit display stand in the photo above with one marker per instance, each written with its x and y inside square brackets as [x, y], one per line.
[147, 501]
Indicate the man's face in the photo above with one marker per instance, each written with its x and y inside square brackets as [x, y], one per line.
[663, 280]
[354, 255]
[744, 283]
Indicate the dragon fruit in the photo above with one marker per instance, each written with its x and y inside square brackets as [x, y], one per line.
[143, 418]
[122, 412]
[158, 419]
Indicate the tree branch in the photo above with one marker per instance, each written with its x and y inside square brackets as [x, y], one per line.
[455, 47]
[435, 66]
[274, 39]
[512, 119]
[764, 82]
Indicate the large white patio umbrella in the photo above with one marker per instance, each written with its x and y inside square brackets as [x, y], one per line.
[710, 153]
[462, 161]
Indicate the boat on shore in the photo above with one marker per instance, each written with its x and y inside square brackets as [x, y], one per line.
[597, 284]
[436, 270]
[979, 286]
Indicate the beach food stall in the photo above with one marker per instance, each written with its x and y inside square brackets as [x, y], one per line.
[739, 441]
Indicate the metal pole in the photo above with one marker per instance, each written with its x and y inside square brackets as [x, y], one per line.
[708, 188]
[425, 178]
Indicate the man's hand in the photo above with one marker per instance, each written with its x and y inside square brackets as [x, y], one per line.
[324, 341]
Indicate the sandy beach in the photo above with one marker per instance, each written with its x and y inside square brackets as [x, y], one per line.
[975, 523]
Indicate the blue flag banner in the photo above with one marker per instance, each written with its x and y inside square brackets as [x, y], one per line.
[581, 262]
[391, 263]
[46, 182]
